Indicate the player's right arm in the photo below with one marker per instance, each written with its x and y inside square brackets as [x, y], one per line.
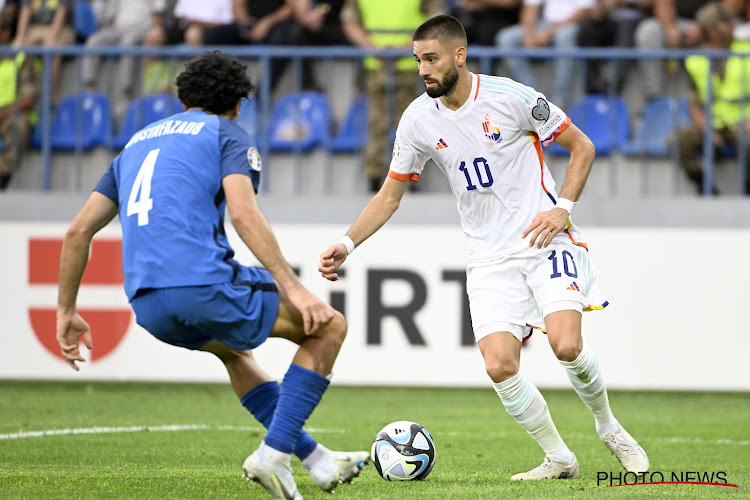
[254, 230]
[98, 211]
[407, 162]
[377, 212]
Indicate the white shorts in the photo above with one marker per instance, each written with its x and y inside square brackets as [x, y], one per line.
[515, 293]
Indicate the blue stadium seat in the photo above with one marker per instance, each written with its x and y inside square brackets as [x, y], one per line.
[84, 119]
[144, 110]
[248, 117]
[604, 119]
[661, 117]
[299, 121]
[84, 20]
[352, 135]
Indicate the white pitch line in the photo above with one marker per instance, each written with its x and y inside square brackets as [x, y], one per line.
[141, 428]
[234, 428]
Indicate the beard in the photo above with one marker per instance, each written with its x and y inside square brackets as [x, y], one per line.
[445, 85]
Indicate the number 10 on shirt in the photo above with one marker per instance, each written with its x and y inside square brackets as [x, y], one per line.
[483, 178]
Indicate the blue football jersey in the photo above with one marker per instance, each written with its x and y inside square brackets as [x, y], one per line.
[167, 183]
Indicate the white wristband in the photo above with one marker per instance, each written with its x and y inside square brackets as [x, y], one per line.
[348, 243]
[566, 204]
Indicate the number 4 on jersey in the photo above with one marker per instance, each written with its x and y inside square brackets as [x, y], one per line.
[140, 201]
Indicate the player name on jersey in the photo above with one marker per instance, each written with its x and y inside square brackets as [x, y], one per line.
[166, 128]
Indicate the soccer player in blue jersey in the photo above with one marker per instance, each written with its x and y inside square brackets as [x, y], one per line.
[170, 187]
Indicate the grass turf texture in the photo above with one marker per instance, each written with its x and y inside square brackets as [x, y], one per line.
[478, 445]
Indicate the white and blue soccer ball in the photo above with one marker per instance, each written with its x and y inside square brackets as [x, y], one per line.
[403, 451]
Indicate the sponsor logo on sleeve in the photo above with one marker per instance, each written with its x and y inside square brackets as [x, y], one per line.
[551, 124]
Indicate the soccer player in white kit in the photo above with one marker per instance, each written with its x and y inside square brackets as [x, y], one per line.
[527, 264]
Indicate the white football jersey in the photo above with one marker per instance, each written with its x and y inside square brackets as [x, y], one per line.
[490, 150]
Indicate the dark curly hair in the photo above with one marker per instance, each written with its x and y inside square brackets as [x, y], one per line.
[214, 81]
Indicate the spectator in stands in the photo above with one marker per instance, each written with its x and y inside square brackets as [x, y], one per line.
[17, 116]
[612, 23]
[543, 23]
[254, 21]
[316, 23]
[124, 23]
[10, 8]
[383, 24]
[45, 22]
[261, 22]
[741, 11]
[482, 19]
[184, 21]
[673, 26]
[731, 88]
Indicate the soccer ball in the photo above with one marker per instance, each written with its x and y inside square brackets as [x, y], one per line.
[403, 451]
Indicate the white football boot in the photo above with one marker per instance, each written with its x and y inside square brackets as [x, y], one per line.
[272, 469]
[550, 469]
[626, 449]
[338, 467]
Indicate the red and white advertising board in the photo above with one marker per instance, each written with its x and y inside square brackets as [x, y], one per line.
[674, 321]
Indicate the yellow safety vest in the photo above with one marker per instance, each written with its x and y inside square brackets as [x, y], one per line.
[729, 92]
[9, 69]
[391, 23]
[9, 72]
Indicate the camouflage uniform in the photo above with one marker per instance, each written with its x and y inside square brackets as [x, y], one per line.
[382, 122]
[17, 128]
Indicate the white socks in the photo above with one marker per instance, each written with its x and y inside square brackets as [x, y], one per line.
[313, 458]
[588, 382]
[525, 404]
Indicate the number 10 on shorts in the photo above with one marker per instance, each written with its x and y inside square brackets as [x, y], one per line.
[569, 269]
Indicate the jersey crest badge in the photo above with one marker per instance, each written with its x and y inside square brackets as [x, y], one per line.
[253, 158]
[491, 129]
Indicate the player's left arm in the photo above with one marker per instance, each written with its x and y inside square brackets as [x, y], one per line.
[546, 225]
[98, 211]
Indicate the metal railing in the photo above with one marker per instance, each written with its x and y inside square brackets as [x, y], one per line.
[486, 57]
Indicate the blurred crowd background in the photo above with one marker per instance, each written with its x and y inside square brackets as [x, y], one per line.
[79, 77]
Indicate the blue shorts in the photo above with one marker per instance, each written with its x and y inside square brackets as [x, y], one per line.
[239, 314]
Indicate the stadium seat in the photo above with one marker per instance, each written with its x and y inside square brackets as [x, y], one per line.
[248, 117]
[83, 119]
[352, 135]
[604, 119]
[299, 122]
[144, 110]
[84, 20]
[661, 117]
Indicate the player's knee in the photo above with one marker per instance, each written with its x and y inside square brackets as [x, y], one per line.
[337, 328]
[501, 369]
[567, 349]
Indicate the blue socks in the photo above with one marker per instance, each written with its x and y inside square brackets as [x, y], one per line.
[261, 401]
[301, 391]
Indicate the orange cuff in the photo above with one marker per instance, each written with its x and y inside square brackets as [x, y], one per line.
[403, 177]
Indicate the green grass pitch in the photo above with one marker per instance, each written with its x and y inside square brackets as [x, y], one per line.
[479, 446]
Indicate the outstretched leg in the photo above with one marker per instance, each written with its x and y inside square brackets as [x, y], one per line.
[256, 389]
[582, 367]
[259, 394]
[300, 392]
[502, 352]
